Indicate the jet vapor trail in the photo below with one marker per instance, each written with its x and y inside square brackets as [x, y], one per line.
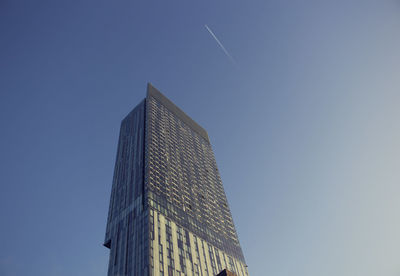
[220, 45]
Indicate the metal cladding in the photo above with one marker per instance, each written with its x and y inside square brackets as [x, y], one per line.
[168, 210]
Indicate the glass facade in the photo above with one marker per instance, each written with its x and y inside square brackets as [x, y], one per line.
[168, 210]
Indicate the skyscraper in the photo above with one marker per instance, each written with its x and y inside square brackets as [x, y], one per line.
[168, 211]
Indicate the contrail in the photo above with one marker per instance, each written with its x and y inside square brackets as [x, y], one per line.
[220, 45]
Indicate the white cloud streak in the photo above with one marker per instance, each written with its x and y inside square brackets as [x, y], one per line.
[222, 46]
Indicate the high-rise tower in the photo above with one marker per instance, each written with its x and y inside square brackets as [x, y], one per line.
[168, 211]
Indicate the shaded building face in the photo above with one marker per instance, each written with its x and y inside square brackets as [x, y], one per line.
[168, 210]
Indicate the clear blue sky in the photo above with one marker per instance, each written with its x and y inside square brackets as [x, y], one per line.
[305, 128]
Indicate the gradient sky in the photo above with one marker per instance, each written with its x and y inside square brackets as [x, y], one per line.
[305, 128]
